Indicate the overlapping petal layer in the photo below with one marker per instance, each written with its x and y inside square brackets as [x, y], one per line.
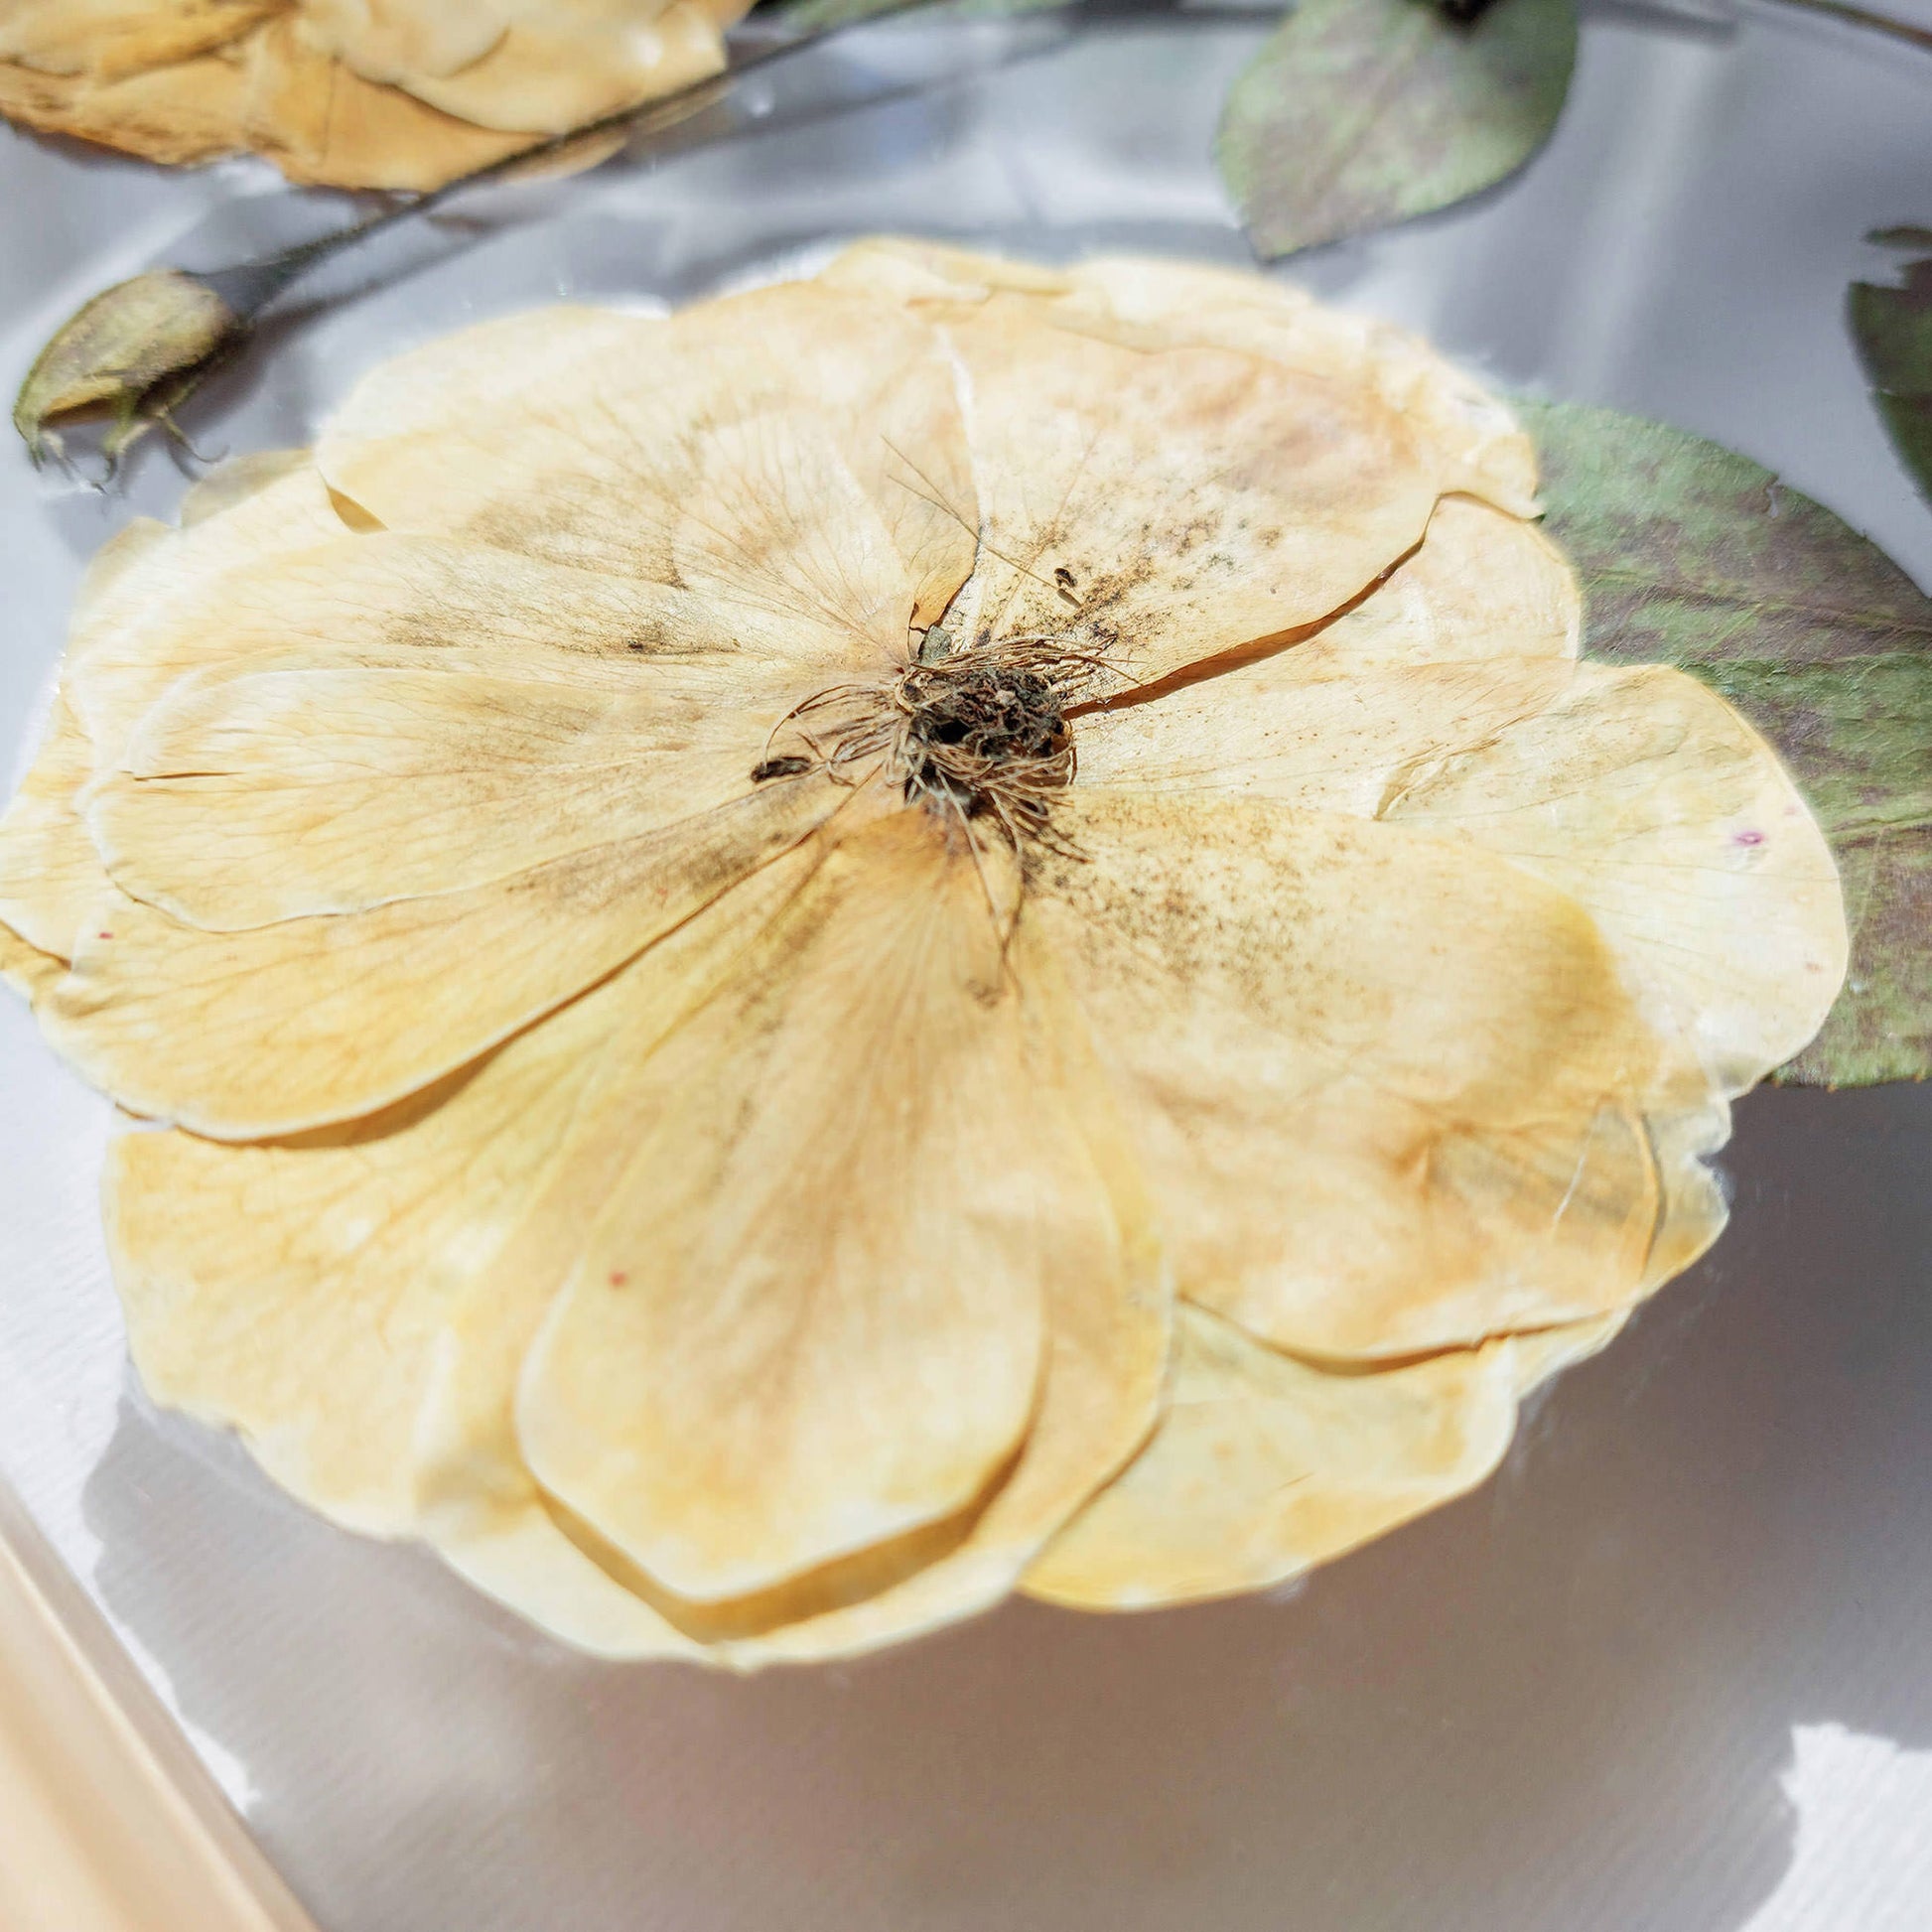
[696, 1175]
[354, 93]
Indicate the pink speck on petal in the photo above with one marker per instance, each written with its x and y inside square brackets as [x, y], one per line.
[1747, 838]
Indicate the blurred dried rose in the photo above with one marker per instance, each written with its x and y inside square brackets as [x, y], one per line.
[347, 93]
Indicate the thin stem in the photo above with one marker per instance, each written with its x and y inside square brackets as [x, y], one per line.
[1902, 30]
[248, 287]
[251, 286]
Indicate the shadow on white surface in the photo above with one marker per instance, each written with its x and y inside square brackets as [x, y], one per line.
[1564, 1705]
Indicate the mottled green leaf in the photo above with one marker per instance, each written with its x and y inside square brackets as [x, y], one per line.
[1894, 331]
[1361, 112]
[1691, 555]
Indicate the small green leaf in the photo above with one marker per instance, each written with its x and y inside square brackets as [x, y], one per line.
[1894, 329]
[1362, 112]
[1694, 556]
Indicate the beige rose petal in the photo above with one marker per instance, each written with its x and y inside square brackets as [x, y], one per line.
[299, 790]
[285, 1027]
[1483, 584]
[791, 453]
[485, 1514]
[232, 482]
[295, 1290]
[563, 63]
[1109, 1323]
[28, 970]
[1388, 1101]
[1340, 742]
[479, 1505]
[1540, 1356]
[129, 639]
[389, 40]
[810, 1317]
[1161, 506]
[106, 39]
[905, 270]
[187, 113]
[1469, 431]
[1645, 797]
[1149, 302]
[1264, 1466]
[51, 875]
[386, 717]
[321, 123]
[389, 1253]
[1473, 632]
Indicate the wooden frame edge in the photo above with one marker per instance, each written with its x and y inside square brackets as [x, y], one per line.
[109, 1821]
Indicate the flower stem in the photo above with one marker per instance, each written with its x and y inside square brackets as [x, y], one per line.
[1865, 17]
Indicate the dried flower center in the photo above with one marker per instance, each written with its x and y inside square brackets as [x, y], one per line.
[977, 734]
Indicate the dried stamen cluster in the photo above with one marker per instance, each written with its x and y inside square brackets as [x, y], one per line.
[980, 733]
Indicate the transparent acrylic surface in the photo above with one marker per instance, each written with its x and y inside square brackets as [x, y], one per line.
[1671, 1669]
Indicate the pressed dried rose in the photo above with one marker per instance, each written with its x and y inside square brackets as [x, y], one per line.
[947, 929]
[349, 93]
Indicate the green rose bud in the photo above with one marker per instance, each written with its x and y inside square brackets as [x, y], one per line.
[132, 355]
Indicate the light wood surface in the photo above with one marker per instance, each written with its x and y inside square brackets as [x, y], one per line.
[108, 1823]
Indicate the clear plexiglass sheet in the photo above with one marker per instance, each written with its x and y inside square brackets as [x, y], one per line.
[1671, 1670]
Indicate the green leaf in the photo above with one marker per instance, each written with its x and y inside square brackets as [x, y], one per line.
[1361, 112]
[1694, 556]
[1894, 329]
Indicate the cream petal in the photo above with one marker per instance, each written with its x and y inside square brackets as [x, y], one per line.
[390, 599]
[1470, 433]
[1539, 1356]
[560, 65]
[488, 1517]
[795, 451]
[228, 483]
[285, 1027]
[185, 112]
[280, 787]
[294, 1291]
[1470, 437]
[1264, 1466]
[1645, 797]
[520, 1558]
[320, 122]
[1161, 506]
[1312, 735]
[905, 270]
[109, 39]
[150, 605]
[28, 970]
[1389, 1101]
[51, 875]
[1473, 629]
[1109, 1323]
[387, 40]
[1483, 584]
[810, 1318]
[340, 1297]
